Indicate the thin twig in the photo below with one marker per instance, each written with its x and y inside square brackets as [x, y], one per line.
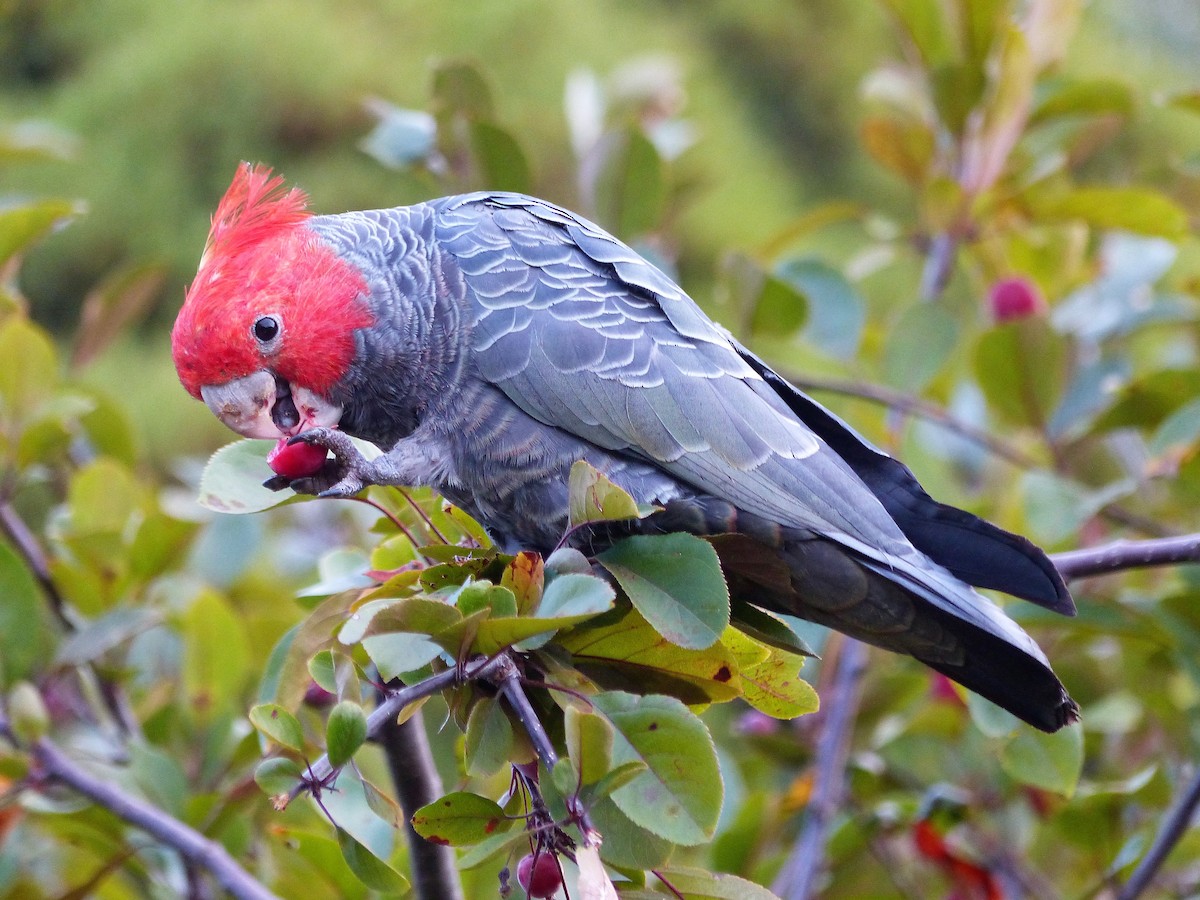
[321, 771]
[939, 265]
[1128, 555]
[1172, 829]
[508, 677]
[410, 761]
[27, 545]
[395, 520]
[798, 878]
[922, 409]
[424, 515]
[51, 762]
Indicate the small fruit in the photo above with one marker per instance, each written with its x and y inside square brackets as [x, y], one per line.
[297, 460]
[1015, 298]
[539, 875]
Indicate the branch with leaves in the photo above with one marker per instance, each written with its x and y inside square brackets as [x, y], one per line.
[51, 764]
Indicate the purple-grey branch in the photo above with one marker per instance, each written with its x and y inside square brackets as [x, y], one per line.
[1125, 554]
[52, 762]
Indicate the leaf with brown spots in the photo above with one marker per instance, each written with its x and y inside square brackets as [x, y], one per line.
[631, 654]
[679, 795]
[460, 819]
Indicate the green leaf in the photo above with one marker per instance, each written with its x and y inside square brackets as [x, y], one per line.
[626, 844]
[277, 775]
[904, 146]
[1022, 368]
[675, 582]
[460, 88]
[216, 655]
[679, 795]
[278, 725]
[498, 156]
[29, 375]
[102, 634]
[419, 615]
[573, 595]
[924, 21]
[767, 628]
[25, 635]
[382, 805]
[629, 189]
[593, 498]
[589, 740]
[1140, 210]
[579, 598]
[23, 225]
[489, 738]
[703, 885]
[369, 868]
[919, 344]
[1057, 507]
[1178, 432]
[1149, 400]
[778, 308]
[616, 777]
[1083, 98]
[113, 307]
[397, 653]
[483, 595]
[1052, 762]
[232, 480]
[836, 310]
[502, 842]
[460, 819]
[345, 732]
[322, 668]
[27, 713]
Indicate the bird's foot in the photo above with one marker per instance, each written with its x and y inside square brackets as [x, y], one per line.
[343, 476]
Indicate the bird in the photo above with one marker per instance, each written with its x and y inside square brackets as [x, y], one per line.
[486, 342]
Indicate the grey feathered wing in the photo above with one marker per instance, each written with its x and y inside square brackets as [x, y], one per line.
[584, 335]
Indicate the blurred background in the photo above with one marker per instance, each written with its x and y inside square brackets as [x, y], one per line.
[968, 226]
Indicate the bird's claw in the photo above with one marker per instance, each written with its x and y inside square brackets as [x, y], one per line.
[343, 476]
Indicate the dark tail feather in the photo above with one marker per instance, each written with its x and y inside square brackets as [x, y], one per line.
[972, 548]
[824, 583]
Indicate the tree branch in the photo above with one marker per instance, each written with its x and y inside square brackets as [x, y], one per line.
[797, 880]
[410, 761]
[1172, 829]
[53, 763]
[1127, 555]
[915, 406]
[508, 676]
[26, 544]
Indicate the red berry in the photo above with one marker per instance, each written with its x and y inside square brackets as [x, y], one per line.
[1015, 298]
[539, 875]
[296, 460]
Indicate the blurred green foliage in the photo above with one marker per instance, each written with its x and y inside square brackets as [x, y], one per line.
[846, 185]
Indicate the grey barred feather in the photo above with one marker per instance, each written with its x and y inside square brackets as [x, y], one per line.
[514, 338]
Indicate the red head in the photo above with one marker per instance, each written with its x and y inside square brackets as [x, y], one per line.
[270, 300]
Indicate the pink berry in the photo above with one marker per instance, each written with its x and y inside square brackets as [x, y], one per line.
[1015, 298]
[539, 875]
[296, 460]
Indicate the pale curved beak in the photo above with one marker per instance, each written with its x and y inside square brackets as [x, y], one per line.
[260, 405]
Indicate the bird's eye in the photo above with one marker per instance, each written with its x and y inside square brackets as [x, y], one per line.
[266, 329]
